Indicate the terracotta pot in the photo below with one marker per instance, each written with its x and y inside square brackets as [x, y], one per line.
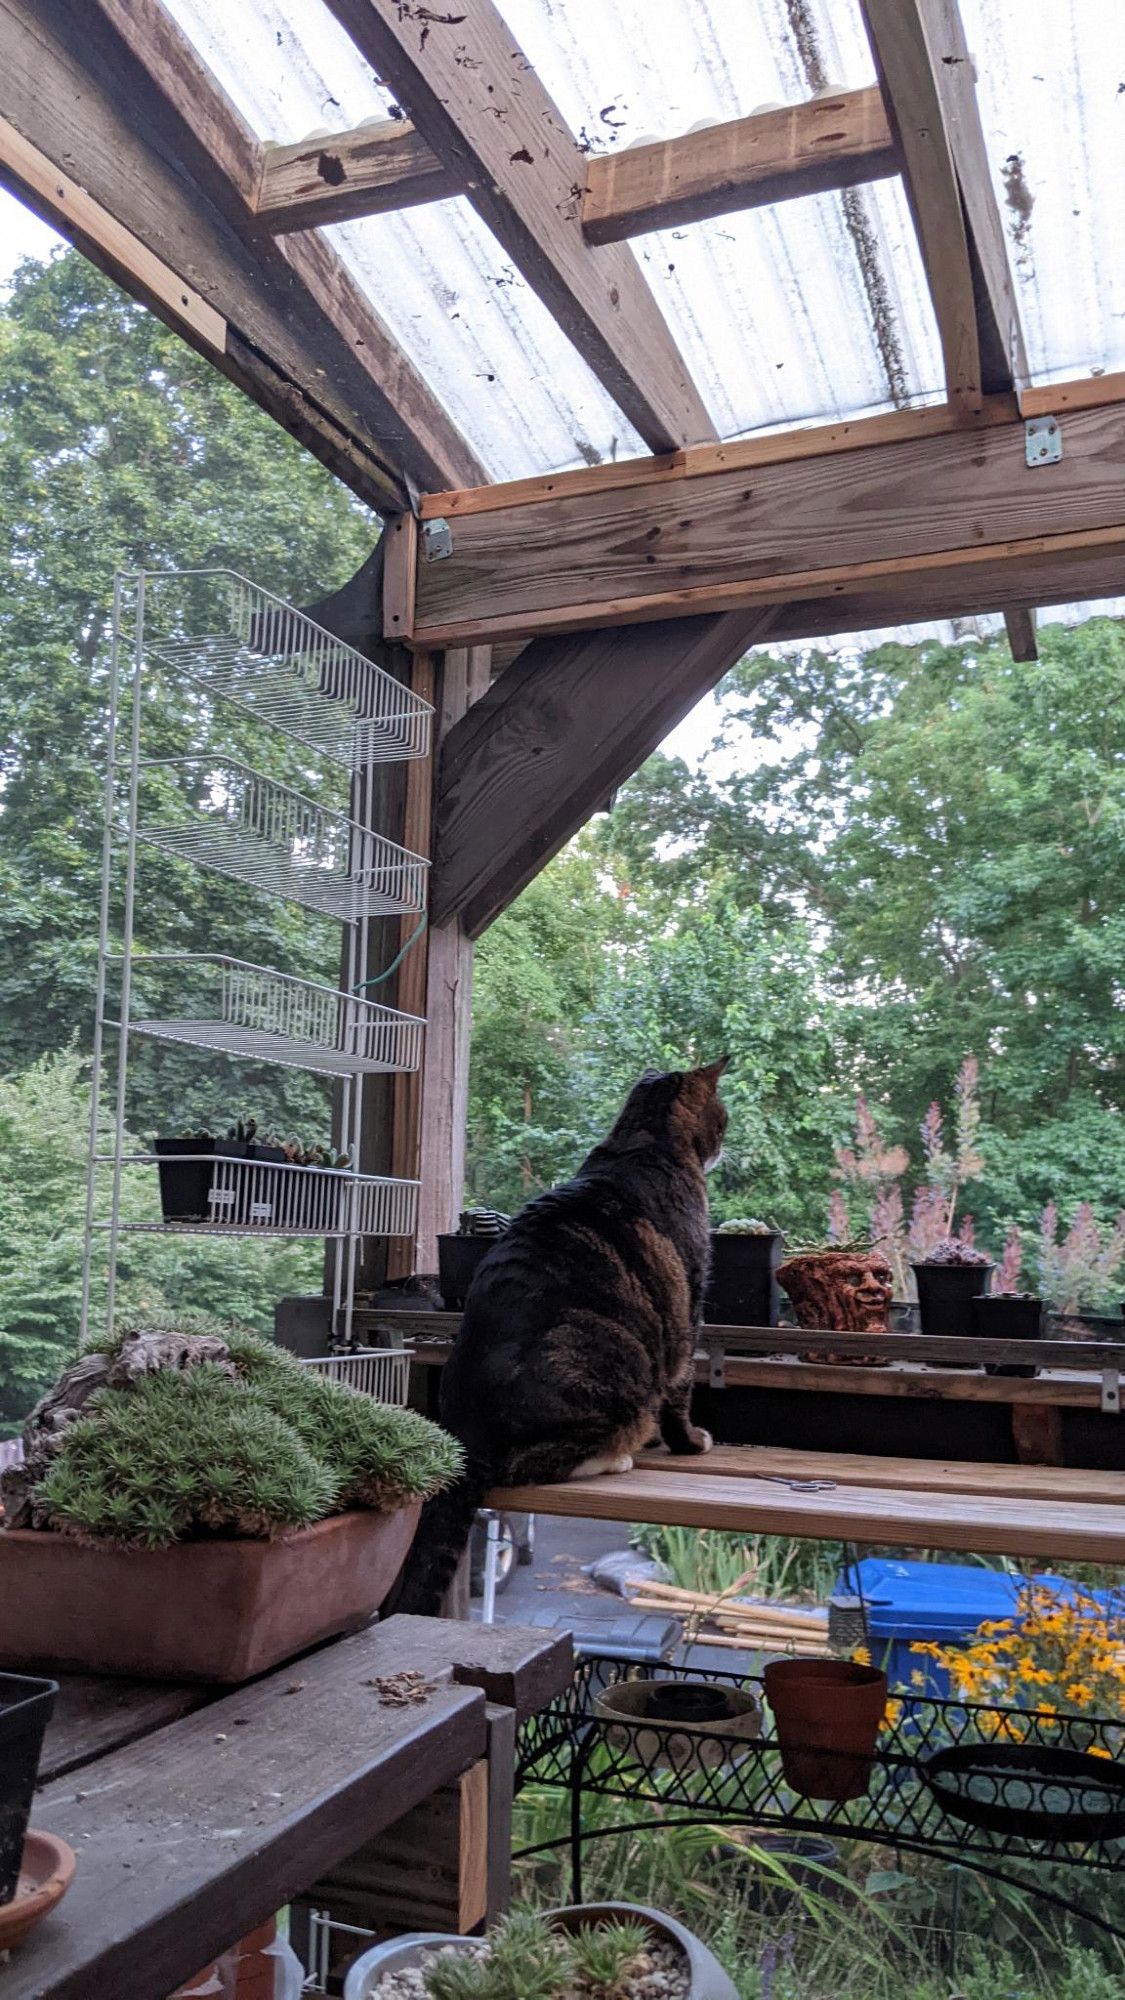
[827, 1715]
[840, 1291]
[680, 1743]
[707, 1980]
[206, 1610]
[45, 1874]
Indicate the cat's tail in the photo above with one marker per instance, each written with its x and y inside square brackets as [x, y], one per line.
[443, 1531]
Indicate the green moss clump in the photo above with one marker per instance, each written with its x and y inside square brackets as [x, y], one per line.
[179, 1453]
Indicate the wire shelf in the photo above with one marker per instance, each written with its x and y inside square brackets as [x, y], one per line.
[383, 1373]
[259, 1015]
[221, 1196]
[239, 642]
[237, 822]
[569, 1745]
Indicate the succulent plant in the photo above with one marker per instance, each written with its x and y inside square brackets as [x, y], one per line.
[952, 1250]
[184, 1451]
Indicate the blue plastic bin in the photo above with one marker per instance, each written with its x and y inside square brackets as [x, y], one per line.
[943, 1602]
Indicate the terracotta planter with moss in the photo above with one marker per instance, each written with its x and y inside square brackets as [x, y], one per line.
[222, 1609]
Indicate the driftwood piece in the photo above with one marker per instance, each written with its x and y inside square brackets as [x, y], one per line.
[44, 1433]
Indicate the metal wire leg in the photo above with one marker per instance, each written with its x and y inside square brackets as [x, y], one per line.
[491, 1567]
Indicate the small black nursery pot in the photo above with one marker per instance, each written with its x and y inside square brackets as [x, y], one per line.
[185, 1170]
[742, 1288]
[946, 1293]
[1008, 1316]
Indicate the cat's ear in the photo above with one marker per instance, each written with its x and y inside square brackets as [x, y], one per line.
[711, 1072]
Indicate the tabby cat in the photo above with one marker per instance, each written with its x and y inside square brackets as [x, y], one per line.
[576, 1345]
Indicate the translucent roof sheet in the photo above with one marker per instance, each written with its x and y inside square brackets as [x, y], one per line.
[810, 311]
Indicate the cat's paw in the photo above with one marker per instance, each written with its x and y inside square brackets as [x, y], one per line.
[593, 1468]
[699, 1440]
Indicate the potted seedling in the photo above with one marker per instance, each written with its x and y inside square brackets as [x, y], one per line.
[841, 1288]
[193, 1504]
[1007, 1316]
[827, 1715]
[598, 1951]
[742, 1286]
[188, 1190]
[459, 1254]
[949, 1278]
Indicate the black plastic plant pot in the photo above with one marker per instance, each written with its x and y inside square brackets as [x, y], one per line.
[742, 1288]
[687, 1701]
[458, 1257]
[945, 1296]
[25, 1710]
[1004, 1316]
[185, 1183]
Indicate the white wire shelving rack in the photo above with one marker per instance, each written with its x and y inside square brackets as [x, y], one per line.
[221, 644]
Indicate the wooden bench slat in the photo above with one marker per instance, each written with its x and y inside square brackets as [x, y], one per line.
[918, 1475]
[983, 1524]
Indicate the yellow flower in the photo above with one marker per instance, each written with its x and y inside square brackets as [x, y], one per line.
[1098, 1750]
[1080, 1694]
[861, 1655]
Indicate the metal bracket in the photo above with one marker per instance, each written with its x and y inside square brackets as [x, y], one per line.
[437, 540]
[1111, 1392]
[1042, 441]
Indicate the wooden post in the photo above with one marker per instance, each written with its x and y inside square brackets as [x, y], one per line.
[436, 979]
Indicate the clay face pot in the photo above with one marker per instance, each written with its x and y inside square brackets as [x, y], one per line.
[827, 1715]
[841, 1291]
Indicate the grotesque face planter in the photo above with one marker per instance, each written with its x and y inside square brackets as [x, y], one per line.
[841, 1291]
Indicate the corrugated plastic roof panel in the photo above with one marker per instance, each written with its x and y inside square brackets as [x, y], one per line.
[809, 311]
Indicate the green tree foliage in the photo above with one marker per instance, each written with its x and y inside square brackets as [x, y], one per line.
[120, 447]
[950, 825]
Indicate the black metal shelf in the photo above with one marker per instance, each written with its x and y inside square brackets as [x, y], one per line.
[571, 1747]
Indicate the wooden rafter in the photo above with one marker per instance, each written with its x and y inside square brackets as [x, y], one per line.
[771, 156]
[887, 516]
[113, 98]
[364, 172]
[479, 103]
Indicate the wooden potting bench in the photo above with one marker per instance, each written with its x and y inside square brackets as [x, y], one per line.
[197, 1812]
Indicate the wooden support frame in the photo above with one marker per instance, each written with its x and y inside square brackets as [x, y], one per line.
[116, 102]
[1020, 628]
[771, 156]
[960, 508]
[547, 744]
[368, 171]
[480, 105]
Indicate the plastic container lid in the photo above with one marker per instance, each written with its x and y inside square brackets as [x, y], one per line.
[919, 1600]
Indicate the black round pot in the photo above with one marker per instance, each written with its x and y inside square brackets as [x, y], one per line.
[804, 1861]
[1003, 1316]
[458, 1257]
[687, 1701]
[946, 1293]
[742, 1288]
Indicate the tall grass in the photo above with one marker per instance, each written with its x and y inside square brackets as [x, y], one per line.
[712, 1560]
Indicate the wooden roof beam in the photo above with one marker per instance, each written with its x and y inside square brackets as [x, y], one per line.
[1022, 638]
[926, 76]
[368, 171]
[478, 102]
[771, 156]
[884, 515]
[119, 137]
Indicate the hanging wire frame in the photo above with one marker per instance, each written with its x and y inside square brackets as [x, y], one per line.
[238, 642]
[383, 1373]
[250, 1197]
[258, 1015]
[237, 822]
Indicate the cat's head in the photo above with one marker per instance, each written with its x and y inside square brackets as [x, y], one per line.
[681, 1106]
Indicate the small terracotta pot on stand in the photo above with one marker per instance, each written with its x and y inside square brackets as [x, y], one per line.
[827, 1715]
[840, 1291]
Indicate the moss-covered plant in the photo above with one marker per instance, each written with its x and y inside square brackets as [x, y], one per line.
[525, 1959]
[243, 1443]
